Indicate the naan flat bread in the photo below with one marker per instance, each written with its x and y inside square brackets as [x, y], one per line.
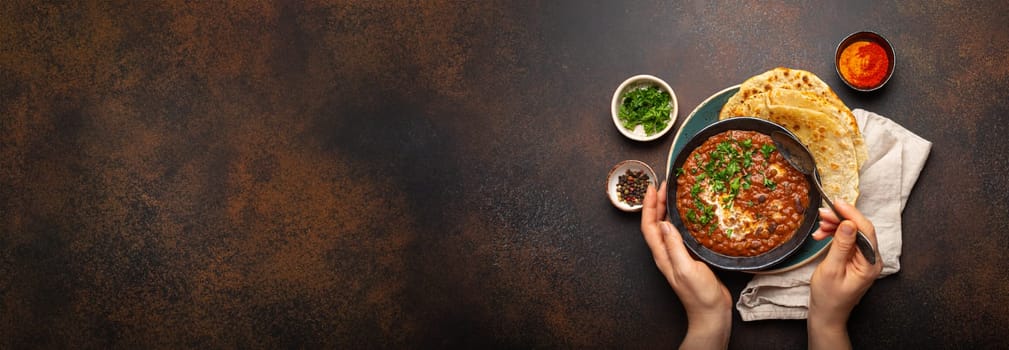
[830, 145]
[793, 87]
[810, 100]
[754, 105]
[785, 78]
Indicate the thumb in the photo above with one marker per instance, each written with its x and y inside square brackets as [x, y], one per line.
[843, 246]
[674, 244]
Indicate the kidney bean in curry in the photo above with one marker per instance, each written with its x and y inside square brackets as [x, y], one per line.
[738, 196]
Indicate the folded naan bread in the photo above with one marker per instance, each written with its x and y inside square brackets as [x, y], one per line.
[830, 145]
[804, 104]
[793, 87]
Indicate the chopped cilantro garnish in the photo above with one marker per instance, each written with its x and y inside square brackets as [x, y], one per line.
[746, 143]
[732, 168]
[722, 174]
[707, 212]
[725, 147]
[717, 185]
[766, 150]
[769, 184]
[646, 106]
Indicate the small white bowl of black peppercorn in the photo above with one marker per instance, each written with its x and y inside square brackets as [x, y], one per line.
[627, 182]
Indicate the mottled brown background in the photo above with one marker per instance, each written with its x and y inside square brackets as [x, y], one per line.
[429, 173]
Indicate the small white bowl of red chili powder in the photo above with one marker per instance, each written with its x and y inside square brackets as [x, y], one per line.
[864, 61]
[627, 182]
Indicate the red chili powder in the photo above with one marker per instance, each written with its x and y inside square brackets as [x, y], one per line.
[864, 64]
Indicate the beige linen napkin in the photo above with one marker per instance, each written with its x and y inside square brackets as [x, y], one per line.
[893, 151]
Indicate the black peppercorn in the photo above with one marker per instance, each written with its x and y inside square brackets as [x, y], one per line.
[632, 186]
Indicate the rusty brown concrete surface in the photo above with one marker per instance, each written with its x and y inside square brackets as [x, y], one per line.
[348, 174]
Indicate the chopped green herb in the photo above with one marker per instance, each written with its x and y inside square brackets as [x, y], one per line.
[732, 168]
[766, 150]
[646, 106]
[728, 232]
[707, 212]
[769, 184]
[679, 171]
[725, 147]
[717, 185]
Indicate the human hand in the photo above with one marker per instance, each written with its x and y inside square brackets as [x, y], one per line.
[841, 279]
[706, 300]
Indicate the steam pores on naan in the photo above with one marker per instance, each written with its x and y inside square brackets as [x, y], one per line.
[830, 145]
[793, 87]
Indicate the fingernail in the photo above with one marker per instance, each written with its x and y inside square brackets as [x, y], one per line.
[824, 211]
[840, 201]
[666, 227]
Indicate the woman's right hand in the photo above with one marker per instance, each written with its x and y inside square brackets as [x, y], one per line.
[841, 279]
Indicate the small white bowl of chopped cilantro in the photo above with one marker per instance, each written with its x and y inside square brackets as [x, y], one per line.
[626, 184]
[644, 108]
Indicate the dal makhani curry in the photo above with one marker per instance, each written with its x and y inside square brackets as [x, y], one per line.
[739, 196]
